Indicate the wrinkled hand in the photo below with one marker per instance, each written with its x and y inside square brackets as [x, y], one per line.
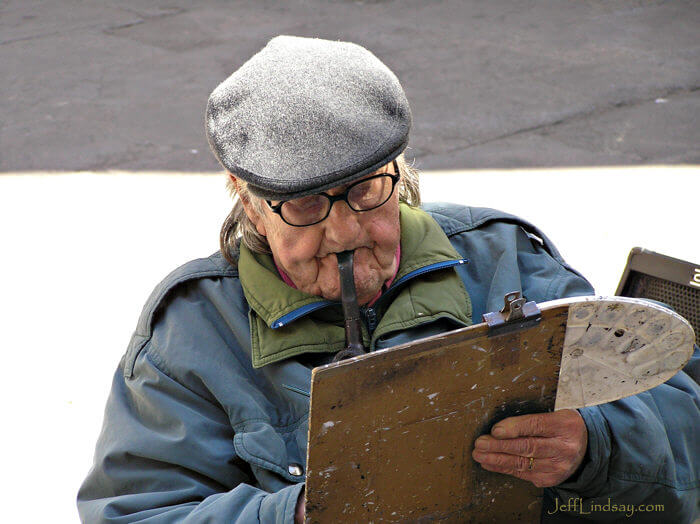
[557, 441]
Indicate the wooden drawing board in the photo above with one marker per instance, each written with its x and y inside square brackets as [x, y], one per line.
[391, 433]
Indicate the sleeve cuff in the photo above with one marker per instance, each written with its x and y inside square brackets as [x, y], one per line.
[591, 479]
[279, 507]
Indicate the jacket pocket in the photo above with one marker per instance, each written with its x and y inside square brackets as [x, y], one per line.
[274, 451]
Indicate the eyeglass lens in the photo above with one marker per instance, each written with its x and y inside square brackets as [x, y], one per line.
[362, 196]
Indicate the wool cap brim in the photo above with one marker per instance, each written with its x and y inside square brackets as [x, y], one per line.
[304, 115]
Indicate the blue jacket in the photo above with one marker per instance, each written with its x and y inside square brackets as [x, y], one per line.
[193, 432]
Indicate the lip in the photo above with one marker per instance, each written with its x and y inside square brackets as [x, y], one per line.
[340, 251]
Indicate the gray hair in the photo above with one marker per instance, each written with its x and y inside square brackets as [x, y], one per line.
[238, 226]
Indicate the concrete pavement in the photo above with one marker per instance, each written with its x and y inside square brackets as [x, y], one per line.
[123, 84]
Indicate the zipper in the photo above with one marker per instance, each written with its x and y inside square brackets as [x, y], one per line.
[427, 269]
[300, 312]
[370, 315]
[415, 273]
[401, 281]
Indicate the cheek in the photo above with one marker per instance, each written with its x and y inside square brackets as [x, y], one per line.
[384, 232]
[293, 249]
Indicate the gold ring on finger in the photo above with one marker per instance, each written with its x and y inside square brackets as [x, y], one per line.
[531, 465]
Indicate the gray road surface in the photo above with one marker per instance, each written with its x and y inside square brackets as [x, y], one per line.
[499, 83]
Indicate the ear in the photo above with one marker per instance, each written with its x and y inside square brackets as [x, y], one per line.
[249, 208]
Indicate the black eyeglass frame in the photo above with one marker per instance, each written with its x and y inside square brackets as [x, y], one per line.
[277, 208]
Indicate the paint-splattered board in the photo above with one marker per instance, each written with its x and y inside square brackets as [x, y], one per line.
[391, 433]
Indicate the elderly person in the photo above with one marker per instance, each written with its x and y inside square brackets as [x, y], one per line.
[208, 415]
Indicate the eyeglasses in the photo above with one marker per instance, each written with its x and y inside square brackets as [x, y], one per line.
[364, 195]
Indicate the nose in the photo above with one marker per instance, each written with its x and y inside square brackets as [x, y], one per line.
[342, 227]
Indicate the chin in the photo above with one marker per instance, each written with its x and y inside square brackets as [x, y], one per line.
[365, 294]
[368, 282]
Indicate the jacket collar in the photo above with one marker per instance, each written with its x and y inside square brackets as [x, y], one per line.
[268, 295]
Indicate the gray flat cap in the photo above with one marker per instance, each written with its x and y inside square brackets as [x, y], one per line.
[304, 115]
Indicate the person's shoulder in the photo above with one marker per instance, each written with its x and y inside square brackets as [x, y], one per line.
[182, 297]
[459, 222]
[457, 218]
[212, 267]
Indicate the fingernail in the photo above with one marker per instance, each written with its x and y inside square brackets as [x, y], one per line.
[498, 431]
